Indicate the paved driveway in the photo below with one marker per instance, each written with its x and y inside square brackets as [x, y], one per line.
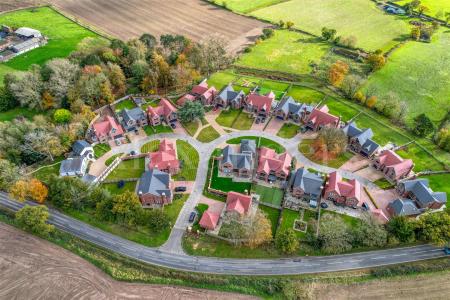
[274, 126]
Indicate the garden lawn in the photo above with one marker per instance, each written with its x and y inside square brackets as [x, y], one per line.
[101, 149]
[189, 158]
[208, 134]
[288, 130]
[115, 190]
[132, 168]
[272, 196]
[16, 112]
[305, 95]
[226, 117]
[128, 104]
[149, 130]
[191, 127]
[288, 217]
[435, 6]
[350, 221]
[418, 73]
[305, 147]
[46, 172]
[260, 142]
[243, 121]
[287, 51]
[372, 28]
[246, 6]
[272, 214]
[339, 108]
[110, 160]
[226, 184]
[150, 146]
[422, 160]
[64, 36]
[221, 79]
[439, 183]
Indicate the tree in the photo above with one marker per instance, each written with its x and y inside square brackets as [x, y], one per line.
[259, 230]
[289, 24]
[376, 61]
[211, 55]
[127, 208]
[157, 220]
[63, 75]
[7, 100]
[10, 174]
[191, 111]
[423, 125]
[371, 101]
[287, 241]
[350, 85]
[27, 89]
[267, 33]
[18, 190]
[62, 116]
[415, 33]
[330, 143]
[117, 79]
[334, 236]
[34, 219]
[337, 72]
[328, 34]
[149, 41]
[369, 233]
[435, 228]
[67, 192]
[37, 191]
[422, 9]
[402, 228]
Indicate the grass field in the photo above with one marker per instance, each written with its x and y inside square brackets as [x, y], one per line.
[373, 28]
[132, 168]
[110, 160]
[227, 117]
[288, 130]
[272, 214]
[260, 142]
[128, 104]
[246, 6]
[101, 149]
[64, 36]
[115, 190]
[221, 79]
[243, 121]
[286, 51]
[208, 134]
[435, 6]
[46, 172]
[440, 183]
[16, 112]
[149, 130]
[419, 73]
[422, 160]
[304, 94]
[191, 127]
[272, 196]
[227, 184]
[288, 217]
[306, 149]
[339, 108]
[150, 146]
[189, 160]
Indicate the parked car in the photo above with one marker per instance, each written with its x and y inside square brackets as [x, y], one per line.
[118, 143]
[173, 125]
[323, 205]
[179, 189]
[133, 152]
[257, 121]
[192, 217]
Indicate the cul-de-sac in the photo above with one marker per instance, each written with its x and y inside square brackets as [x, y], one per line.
[231, 149]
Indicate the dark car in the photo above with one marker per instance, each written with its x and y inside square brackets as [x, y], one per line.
[133, 152]
[323, 205]
[192, 216]
[180, 189]
[257, 121]
[173, 125]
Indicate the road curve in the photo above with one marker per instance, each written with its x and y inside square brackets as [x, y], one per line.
[288, 266]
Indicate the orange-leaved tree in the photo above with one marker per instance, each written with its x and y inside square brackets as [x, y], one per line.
[37, 191]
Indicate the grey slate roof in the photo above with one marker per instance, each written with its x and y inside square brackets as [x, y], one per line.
[28, 32]
[71, 165]
[155, 182]
[238, 160]
[363, 136]
[248, 146]
[25, 45]
[229, 95]
[424, 194]
[133, 114]
[79, 146]
[289, 105]
[405, 207]
[310, 183]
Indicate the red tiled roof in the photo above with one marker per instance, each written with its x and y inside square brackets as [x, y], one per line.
[261, 102]
[348, 189]
[104, 127]
[269, 160]
[209, 220]
[321, 117]
[185, 98]
[165, 157]
[392, 160]
[238, 202]
[165, 108]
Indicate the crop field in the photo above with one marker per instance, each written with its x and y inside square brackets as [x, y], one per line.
[418, 73]
[435, 6]
[372, 28]
[193, 18]
[64, 36]
[6, 5]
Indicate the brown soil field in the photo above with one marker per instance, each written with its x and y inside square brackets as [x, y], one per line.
[6, 5]
[32, 268]
[195, 19]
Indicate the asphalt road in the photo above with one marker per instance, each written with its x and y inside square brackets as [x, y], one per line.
[184, 262]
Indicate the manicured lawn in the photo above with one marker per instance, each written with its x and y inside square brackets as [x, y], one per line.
[244, 121]
[272, 196]
[372, 28]
[46, 172]
[383, 183]
[101, 149]
[227, 117]
[272, 214]
[189, 161]
[288, 130]
[221, 79]
[112, 158]
[307, 150]
[149, 130]
[260, 142]
[16, 112]
[275, 86]
[115, 190]
[440, 183]
[288, 217]
[339, 108]
[64, 36]
[208, 134]
[435, 6]
[418, 73]
[422, 160]
[191, 127]
[128, 104]
[227, 184]
[246, 6]
[287, 51]
[305, 95]
[150, 146]
[132, 168]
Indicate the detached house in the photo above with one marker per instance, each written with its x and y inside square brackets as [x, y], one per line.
[133, 119]
[420, 192]
[165, 159]
[403, 207]
[209, 220]
[259, 105]
[271, 166]
[393, 166]
[77, 162]
[164, 112]
[360, 140]
[289, 109]
[238, 203]
[342, 192]
[108, 129]
[155, 188]
[306, 185]
[201, 92]
[240, 163]
[320, 118]
[229, 97]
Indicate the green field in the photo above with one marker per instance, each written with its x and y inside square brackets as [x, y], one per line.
[286, 51]
[227, 117]
[150, 146]
[64, 36]
[288, 217]
[372, 28]
[244, 121]
[435, 6]
[101, 149]
[272, 214]
[272, 196]
[16, 112]
[132, 168]
[208, 134]
[245, 6]
[188, 157]
[288, 130]
[419, 73]
[191, 127]
[115, 190]
[440, 183]
[305, 147]
[260, 142]
[305, 95]
[221, 79]
[422, 160]
[227, 184]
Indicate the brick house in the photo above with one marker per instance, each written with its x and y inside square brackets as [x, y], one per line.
[306, 185]
[360, 140]
[273, 166]
[403, 207]
[164, 112]
[132, 119]
[393, 166]
[201, 92]
[260, 105]
[106, 130]
[229, 97]
[289, 109]
[209, 220]
[420, 192]
[342, 192]
[241, 163]
[238, 203]
[320, 118]
[155, 188]
[165, 159]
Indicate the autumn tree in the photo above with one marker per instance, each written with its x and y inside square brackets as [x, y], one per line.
[63, 75]
[117, 79]
[211, 55]
[401, 228]
[376, 60]
[28, 88]
[18, 190]
[371, 101]
[34, 219]
[337, 72]
[334, 234]
[62, 116]
[287, 241]
[330, 143]
[259, 230]
[289, 24]
[127, 208]
[435, 228]
[37, 191]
